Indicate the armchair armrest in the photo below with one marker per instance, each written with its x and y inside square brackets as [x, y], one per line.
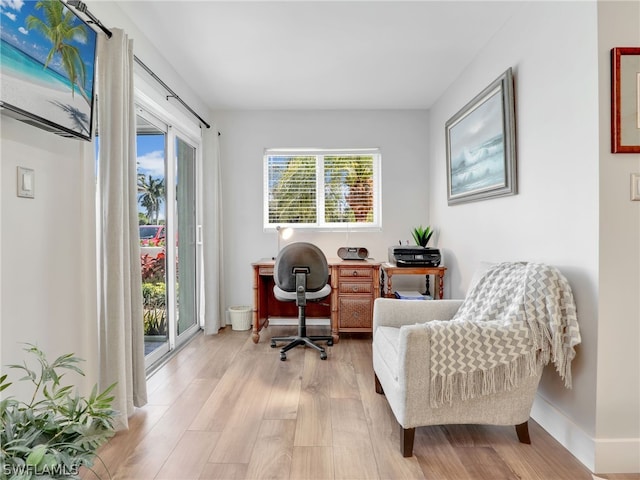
[404, 362]
[391, 312]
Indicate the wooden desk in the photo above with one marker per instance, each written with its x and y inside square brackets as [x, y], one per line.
[390, 269]
[354, 287]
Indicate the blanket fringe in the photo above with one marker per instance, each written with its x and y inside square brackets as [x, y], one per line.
[505, 377]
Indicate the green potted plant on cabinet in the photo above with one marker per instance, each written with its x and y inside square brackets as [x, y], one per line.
[57, 431]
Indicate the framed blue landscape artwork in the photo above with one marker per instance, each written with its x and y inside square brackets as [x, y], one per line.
[481, 149]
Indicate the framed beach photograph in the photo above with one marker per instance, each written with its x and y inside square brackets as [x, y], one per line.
[625, 100]
[481, 145]
[47, 64]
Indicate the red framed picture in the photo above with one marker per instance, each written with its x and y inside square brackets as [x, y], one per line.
[625, 100]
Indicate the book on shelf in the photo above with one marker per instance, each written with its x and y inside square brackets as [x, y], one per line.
[411, 295]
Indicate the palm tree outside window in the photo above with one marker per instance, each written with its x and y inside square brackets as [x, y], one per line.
[150, 196]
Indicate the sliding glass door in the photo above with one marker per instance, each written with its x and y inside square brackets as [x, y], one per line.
[186, 247]
[151, 144]
[167, 165]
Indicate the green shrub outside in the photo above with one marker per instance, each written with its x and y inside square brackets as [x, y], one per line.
[155, 308]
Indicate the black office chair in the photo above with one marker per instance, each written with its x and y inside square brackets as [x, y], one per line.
[301, 274]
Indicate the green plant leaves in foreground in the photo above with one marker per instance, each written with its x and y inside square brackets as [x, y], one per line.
[57, 431]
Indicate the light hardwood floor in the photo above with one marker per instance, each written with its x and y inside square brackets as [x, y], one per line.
[224, 408]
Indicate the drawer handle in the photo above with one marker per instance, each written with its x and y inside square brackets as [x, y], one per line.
[354, 289]
[355, 273]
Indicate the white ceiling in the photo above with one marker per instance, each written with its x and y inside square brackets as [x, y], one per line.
[319, 55]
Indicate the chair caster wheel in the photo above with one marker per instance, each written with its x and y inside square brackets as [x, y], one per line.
[323, 356]
[273, 344]
[330, 343]
[283, 356]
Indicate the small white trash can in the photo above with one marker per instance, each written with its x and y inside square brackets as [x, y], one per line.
[240, 317]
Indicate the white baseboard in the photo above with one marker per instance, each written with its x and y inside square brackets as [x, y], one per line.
[617, 455]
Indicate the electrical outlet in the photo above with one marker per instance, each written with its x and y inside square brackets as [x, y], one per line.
[635, 186]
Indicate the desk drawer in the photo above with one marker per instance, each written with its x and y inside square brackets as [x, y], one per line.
[265, 271]
[356, 272]
[353, 287]
[355, 313]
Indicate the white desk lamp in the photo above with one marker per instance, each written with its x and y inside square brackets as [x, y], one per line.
[285, 233]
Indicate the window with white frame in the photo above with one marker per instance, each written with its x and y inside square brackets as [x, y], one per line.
[330, 189]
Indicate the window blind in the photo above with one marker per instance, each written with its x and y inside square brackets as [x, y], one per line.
[292, 189]
[331, 189]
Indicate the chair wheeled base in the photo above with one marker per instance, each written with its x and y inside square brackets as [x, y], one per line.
[302, 339]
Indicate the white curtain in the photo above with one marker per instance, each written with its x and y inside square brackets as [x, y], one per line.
[120, 320]
[213, 268]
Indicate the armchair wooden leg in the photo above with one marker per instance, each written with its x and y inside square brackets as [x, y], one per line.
[523, 432]
[407, 436]
[378, 385]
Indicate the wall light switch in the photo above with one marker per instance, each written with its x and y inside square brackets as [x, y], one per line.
[635, 186]
[26, 182]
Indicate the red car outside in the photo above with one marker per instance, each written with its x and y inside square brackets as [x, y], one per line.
[152, 235]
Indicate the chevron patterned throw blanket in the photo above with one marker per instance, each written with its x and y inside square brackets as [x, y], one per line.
[518, 316]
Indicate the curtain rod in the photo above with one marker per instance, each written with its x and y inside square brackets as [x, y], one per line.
[166, 87]
[82, 7]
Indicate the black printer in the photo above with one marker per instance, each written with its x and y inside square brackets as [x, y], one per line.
[414, 256]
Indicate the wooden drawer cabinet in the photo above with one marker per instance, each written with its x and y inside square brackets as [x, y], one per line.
[358, 285]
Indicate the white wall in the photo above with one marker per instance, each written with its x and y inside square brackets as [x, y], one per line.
[618, 393]
[402, 138]
[48, 249]
[557, 215]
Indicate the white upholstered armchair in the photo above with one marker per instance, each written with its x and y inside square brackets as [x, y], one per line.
[477, 360]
